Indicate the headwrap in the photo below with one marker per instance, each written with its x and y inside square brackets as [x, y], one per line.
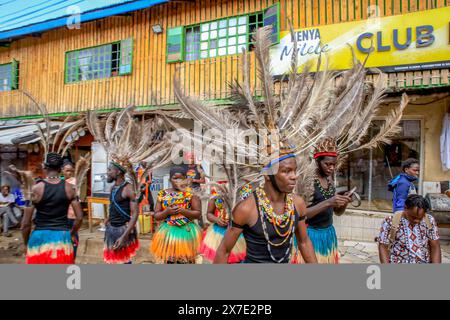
[53, 160]
[177, 169]
[119, 167]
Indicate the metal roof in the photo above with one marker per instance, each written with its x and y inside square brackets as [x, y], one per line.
[28, 133]
[22, 17]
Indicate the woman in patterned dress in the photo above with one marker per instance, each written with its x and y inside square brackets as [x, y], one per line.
[178, 238]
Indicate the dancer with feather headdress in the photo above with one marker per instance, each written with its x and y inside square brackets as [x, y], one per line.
[51, 241]
[347, 134]
[270, 218]
[127, 142]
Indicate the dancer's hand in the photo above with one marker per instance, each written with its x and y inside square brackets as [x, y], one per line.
[172, 210]
[221, 222]
[339, 201]
[119, 243]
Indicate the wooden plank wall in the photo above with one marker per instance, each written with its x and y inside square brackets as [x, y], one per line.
[42, 58]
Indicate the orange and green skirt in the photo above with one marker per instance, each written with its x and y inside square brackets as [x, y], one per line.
[176, 243]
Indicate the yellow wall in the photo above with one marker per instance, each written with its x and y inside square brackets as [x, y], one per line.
[432, 115]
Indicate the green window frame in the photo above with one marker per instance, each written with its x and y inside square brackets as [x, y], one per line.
[99, 62]
[9, 76]
[222, 37]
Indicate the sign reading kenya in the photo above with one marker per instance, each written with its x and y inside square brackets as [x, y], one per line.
[414, 41]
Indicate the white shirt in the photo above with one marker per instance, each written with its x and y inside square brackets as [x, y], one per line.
[8, 199]
[445, 143]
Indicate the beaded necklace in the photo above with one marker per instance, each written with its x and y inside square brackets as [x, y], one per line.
[326, 193]
[282, 220]
[266, 210]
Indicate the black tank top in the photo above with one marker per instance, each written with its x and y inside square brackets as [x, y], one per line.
[257, 250]
[119, 217]
[323, 219]
[51, 211]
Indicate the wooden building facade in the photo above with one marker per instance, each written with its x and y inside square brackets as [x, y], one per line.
[144, 74]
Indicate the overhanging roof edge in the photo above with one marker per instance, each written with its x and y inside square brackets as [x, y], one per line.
[84, 17]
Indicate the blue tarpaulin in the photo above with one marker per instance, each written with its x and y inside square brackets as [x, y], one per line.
[22, 17]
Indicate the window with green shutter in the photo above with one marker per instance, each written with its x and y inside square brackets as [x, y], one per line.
[227, 36]
[126, 57]
[272, 18]
[9, 76]
[104, 61]
[175, 44]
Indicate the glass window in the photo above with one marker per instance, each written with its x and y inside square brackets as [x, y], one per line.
[222, 37]
[5, 77]
[93, 63]
[371, 170]
[193, 44]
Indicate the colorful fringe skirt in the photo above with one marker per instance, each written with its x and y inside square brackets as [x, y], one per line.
[325, 245]
[176, 244]
[213, 238]
[124, 254]
[50, 247]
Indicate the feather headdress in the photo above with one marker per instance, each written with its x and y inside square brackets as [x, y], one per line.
[81, 169]
[308, 108]
[129, 141]
[255, 133]
[64, 139]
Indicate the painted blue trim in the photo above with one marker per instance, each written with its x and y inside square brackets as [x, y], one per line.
[84, 17]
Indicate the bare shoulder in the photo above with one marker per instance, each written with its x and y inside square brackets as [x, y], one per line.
[39, 185]
[300, 204]
[298, 200]
[70, 190]
[245, 212]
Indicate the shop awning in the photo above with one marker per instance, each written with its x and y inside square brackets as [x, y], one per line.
[19, 18]
[27, 133]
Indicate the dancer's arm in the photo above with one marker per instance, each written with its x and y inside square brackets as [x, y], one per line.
[36, 196]
[75, 203]
[337, 201]
[211, 216]
[240, 218]
[304, 243]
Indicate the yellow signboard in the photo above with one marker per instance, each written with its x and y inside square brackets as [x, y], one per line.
[409, 42]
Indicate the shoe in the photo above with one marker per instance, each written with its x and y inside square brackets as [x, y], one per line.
[7, 234]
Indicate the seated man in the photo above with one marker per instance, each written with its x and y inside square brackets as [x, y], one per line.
[8, 211]
[411, 235]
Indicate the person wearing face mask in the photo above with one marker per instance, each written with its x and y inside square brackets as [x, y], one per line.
[178, 238]
[403, 185]
[411, 235]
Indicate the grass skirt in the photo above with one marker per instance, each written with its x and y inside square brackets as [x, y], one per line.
[213, 238]
[176, 244]
[126, 253]
[325, 244]
[50, 247]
